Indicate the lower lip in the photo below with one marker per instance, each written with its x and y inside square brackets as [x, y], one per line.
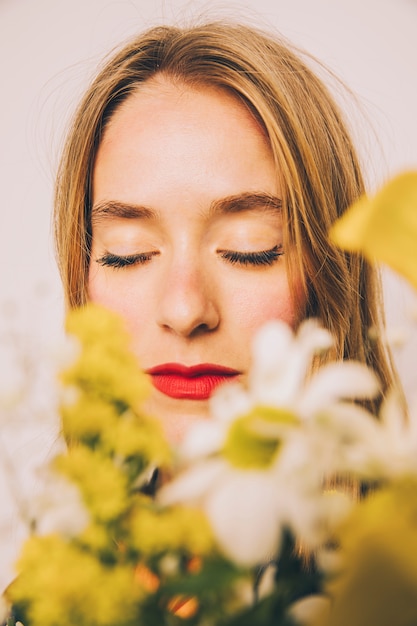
[191, 388]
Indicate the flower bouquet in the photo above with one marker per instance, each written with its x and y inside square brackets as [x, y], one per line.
[293, 505]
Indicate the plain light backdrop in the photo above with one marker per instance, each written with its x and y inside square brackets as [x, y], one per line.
[49, 49]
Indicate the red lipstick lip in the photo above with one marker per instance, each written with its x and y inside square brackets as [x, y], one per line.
[193, 370]
[196, 382]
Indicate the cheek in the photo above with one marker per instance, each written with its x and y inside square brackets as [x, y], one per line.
[100, 292]
[254, 307]
[122, 300]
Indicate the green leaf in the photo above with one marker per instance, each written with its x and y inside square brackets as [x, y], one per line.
[215, 576]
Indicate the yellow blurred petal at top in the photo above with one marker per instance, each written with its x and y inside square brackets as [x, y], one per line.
[384, 227]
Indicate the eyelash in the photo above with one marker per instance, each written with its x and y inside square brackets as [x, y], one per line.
[264, 257]
[256, 259]
[117, 261]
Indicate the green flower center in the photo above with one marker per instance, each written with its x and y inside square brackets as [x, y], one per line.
[251, 443]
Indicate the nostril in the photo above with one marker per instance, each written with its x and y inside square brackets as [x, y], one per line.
[189, 316]
[202, 329]
[191, 328]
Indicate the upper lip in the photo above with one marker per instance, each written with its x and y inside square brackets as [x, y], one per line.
[202, 369]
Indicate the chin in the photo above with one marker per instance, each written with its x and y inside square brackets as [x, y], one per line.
[176, 415]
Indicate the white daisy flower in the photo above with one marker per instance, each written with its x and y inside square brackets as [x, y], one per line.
[29, 429]
[258, 465]
[386, 448]
[57, 507]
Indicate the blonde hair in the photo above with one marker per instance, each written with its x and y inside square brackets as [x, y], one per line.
[316, 164]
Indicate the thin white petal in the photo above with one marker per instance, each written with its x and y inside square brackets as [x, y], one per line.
[311, 340]
[229, 402]
[193, 483]
[272, 342]
[392, 415]
[58, 507]
[314, 337]
[243, 515]
[296, 460]
[203, 439]
[336, 381]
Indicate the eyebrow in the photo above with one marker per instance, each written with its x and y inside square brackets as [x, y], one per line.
[115, 209]
[247, 201]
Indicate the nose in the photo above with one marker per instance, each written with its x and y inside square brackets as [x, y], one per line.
[188, 303]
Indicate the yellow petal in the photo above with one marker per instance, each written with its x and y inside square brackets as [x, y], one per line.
[384, 227]
[377, 581]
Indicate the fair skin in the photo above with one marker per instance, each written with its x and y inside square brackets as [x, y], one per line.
[187, 239]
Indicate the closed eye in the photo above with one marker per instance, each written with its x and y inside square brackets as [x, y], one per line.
[263, 257]
[119, 261]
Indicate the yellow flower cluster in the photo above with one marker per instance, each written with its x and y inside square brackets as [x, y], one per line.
[105, 364]
[109, 388]
[64, 584]
[155, 531]
[102, 484]
[91, 579]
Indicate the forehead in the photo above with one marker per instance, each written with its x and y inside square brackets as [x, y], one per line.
[163, 100]
[169, 139]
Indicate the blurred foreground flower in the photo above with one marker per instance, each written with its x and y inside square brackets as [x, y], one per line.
[258, 467]
[29, 422]
[57, 507]
[384, 227]
[375, 577]
[376, 582]
[78, 568]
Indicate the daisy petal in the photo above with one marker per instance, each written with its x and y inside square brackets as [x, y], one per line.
[203, 439]
[271, 345]
[192, 484]
[243, 515]
[334, 381]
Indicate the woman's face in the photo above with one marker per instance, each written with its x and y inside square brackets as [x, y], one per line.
[187, 240]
